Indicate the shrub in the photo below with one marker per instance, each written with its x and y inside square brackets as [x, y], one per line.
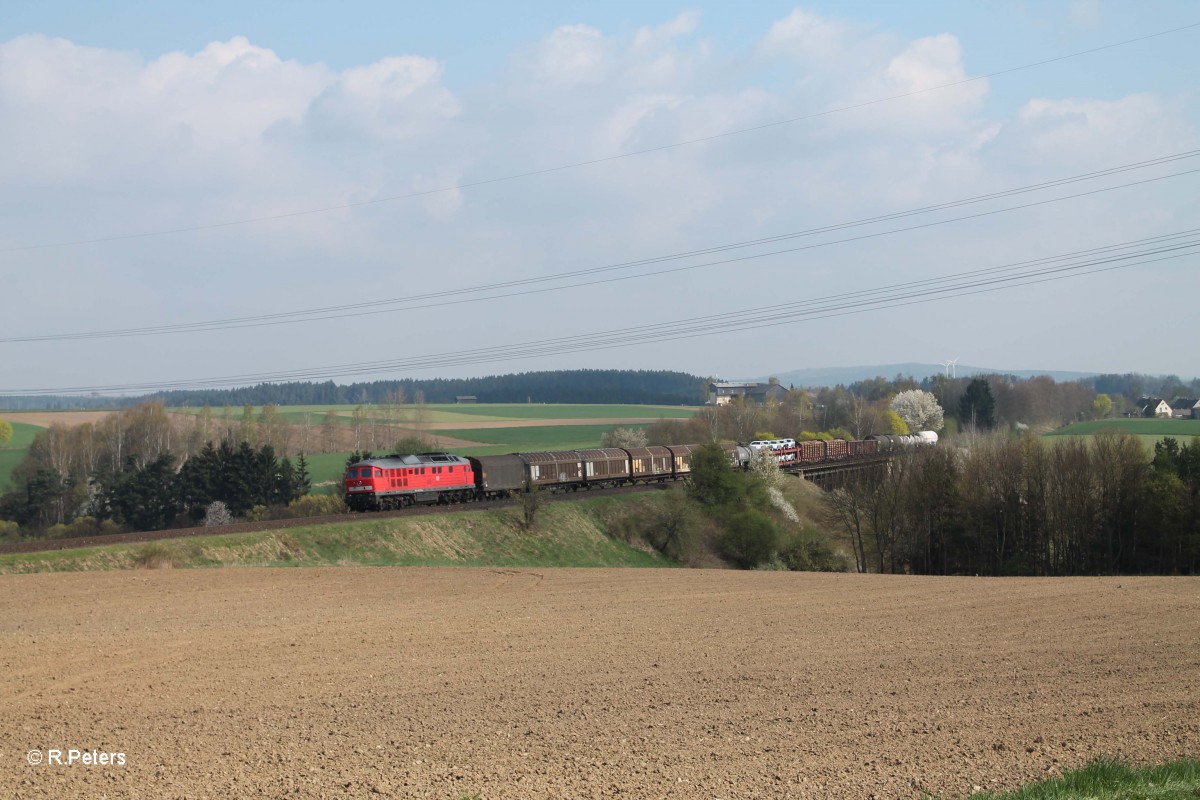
[810, 553]
[79, 527]
[258, 514]
[316, 505]
[155, 555]
[750, 538]
[672, 525]
[9, 531]
[217, 513]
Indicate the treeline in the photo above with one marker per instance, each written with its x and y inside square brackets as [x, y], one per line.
[1028, 506]
[561, 386]
[127, 471]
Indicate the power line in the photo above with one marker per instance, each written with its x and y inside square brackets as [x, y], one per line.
[374, 307]
[594, 161]
[1035, 271]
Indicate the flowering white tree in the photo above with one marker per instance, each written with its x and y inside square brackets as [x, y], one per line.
[624, 437]
[919, 410]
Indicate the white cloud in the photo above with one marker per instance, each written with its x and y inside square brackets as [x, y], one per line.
[803, 34]
[572, 55]
[1084, 14]
[1082, 131]
[113, 143]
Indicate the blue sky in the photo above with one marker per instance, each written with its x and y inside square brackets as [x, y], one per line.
[122, 119]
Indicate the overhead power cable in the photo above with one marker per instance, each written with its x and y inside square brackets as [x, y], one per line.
[373, 307]
[595, 161]
[1058, 267]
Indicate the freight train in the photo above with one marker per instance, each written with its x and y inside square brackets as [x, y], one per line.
[398, 481]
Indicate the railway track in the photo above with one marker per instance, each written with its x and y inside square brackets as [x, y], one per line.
[45, 545]
[820, 473]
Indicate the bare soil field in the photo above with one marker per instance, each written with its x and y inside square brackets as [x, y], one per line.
[44, 419]
[446, 683]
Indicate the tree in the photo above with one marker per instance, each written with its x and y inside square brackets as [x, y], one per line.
[713, 483]
[1102, 406]
[6, 431]
[144, 497]
[919, 410]
[896, 425]
[624, 437]
[977, 406]
[531, 501]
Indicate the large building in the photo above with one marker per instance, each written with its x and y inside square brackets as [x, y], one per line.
[721, 393]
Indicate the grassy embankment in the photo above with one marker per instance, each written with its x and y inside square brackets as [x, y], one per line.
[1148, 431]
[565, 534]
[1112, 780]
[579, 531]
[13, 452]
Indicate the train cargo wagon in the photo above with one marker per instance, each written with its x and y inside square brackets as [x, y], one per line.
[813, 451]
[855, 447]
[608, 466]
[681, 458]
[837, 448]
[649, 463]
[555, 468]
[870, 447]
[498, 476]
[739, 454]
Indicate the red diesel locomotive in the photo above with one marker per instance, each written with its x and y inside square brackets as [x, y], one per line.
[399, 481]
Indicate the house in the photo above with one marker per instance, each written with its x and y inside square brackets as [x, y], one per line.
[1154, 407]
[1185, 408]
[722, 392]
[464, 399]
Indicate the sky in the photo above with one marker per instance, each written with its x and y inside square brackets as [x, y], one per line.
[221, 193]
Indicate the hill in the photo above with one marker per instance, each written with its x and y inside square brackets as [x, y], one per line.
[832, 376]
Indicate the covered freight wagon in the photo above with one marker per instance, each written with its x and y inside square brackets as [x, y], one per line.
[499, 476]
[681, 457]
[607, 466]
[649, 463]
[554, 468]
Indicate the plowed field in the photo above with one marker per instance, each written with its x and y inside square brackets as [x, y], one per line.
[446, 683]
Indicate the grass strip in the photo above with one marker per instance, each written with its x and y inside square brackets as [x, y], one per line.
[1109, 779]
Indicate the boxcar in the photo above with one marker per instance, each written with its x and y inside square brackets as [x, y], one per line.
[649, 463]
[607, 466]
[556, 468]
[681, 458]
[498, 476]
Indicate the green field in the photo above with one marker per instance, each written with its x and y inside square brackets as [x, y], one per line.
[469, 414]
[1148, 431]
[13, 453]
[547, 437]
[566, 534]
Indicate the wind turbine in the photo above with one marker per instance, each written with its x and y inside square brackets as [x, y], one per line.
[949, 365]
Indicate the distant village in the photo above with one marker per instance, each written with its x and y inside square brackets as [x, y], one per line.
[1179, 408]
[754, 393]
